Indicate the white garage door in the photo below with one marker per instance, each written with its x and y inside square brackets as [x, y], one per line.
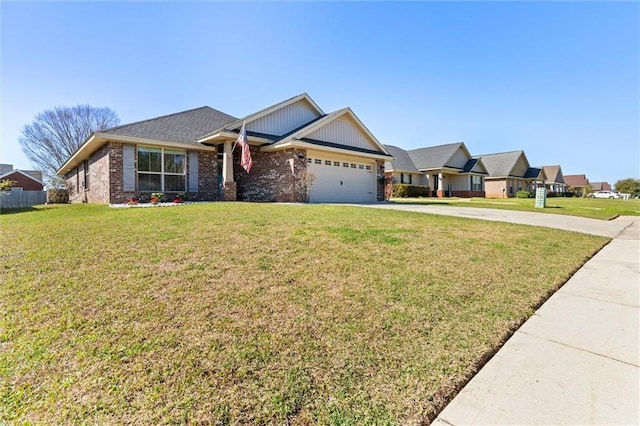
[341, 180]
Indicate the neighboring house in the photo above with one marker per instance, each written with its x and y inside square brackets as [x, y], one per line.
[26, 180]
[578, 184]
[27, 191]
[510, 172]
[299, 154]
[555, 179]
[401, 168]
[449, 170]
[600, 186]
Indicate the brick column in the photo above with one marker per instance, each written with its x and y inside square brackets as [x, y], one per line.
[230, 191]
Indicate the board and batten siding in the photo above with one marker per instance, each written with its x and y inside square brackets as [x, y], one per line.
[345, 132]
[458, 159]
[284, 119]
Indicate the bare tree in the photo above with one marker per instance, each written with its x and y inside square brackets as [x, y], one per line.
[56, 134]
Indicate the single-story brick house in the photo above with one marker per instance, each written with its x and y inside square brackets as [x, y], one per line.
[510, 172]
[299, 154]
[26, 180]
[449, 170]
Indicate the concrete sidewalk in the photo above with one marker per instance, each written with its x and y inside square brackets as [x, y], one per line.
[576, 361]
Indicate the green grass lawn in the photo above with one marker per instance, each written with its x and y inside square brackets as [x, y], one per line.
[604, 209]
[228, 313]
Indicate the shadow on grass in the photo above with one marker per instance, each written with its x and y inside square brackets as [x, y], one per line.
[4, 211]
[33, 209]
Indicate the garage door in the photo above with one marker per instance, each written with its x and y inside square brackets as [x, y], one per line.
[341, 180]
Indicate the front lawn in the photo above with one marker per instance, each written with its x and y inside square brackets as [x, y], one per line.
[227, 313]
[584, 207]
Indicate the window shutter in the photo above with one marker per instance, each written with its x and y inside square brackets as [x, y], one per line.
[128, 168]
[193, 172]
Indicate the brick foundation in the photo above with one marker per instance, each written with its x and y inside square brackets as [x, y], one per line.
[230, 191]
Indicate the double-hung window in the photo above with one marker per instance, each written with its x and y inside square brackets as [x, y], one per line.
[161, 169]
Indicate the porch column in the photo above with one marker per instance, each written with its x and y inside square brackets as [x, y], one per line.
[227, 163]
[441, 189]
[230, 192]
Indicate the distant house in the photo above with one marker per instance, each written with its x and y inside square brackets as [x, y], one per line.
[299, 154]
[577, 184]
[449, 170]
[555, 179]
[26, 180]
[27, 190]
[600, 186]
[510, 172]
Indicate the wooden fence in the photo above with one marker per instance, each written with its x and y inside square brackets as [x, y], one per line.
[21, 199]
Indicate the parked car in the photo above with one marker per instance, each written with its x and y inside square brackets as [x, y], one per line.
[604, 194]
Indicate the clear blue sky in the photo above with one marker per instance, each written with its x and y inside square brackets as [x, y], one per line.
[559, 80]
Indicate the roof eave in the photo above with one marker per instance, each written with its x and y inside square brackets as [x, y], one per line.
[98, 139]
[225, 135]
[296, 143]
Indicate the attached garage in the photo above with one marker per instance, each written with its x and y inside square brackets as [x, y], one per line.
[341, 179]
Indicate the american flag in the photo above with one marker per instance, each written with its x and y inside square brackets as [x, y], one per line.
[245, 160]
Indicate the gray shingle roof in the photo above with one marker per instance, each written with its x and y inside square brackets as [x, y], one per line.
[501, 164]
[433, 157]
[186, 126]
[401, 161]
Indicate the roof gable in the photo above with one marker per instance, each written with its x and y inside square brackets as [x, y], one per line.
[343, 128]
[283, 118]
[22, 174]
[505, 164]
[275, 120]
[454, 155]
[340, 129]
[553, 173]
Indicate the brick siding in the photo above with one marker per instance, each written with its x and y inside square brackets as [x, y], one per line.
[275, 176]
[24, 182]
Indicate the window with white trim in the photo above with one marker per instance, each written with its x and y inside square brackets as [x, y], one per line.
[161, 169]
[327, 162]
[317, 161]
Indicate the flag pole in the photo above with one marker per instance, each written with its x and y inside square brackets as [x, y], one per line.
[239, 136]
